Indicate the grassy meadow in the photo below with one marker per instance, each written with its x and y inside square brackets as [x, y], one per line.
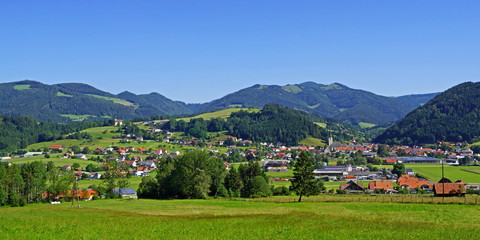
[224, 219]
[468, 174]
[310, 141]
[220, 114]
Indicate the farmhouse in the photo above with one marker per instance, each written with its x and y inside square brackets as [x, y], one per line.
[126, 193]
[276, 165]
[445, 188]
[407, 181]
[380, 185]
[352, 187]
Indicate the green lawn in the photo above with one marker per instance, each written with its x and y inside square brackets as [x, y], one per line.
[223, 219]
[310, 141]
[434, 172]
[55, 159]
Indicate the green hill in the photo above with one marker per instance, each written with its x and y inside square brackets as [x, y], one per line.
[66, 102]
[451, 116]
[334, 101]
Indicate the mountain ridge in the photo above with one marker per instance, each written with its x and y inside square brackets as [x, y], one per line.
[338, 101]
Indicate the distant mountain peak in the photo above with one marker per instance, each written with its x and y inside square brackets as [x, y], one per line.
[336, 86]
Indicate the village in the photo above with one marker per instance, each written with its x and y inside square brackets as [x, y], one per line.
[346, 168]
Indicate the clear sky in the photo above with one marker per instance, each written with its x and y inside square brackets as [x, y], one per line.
[200, 50]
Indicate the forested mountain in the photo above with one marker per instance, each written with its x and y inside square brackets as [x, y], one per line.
[454, 115]
[273, 123]
[334, 101]
[75, 101]
[63, 102]
[160, 102]
[416, 100]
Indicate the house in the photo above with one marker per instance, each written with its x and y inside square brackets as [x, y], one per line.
[276, 166]
[95, 176]
[67, 168]
[149, 163]
[85, 195]
[227, 165]
[126, 193]
[445, 188]
[352, 187]
[56, 147]
[81, 156]
[407, 181]
[139, 173]
[32, 154]
[118, 122]
[380, 185]
[409, 172]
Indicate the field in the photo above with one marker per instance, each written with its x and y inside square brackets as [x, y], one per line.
[21, 87]
[224, 219]
[60, 94]
[220, 114]
[434, 172]
[310, 141]
[76, 118]
[115, 100]
[366, 125]
[55, 159]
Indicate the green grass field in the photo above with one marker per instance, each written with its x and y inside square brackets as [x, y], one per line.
[434, 172]
[55, 159]
[76, 118]
[310, 141]
[322, 125]
[366, 125]
[220, 114]
[115, 100]
[21, 87]
[223, 219]
[60, 94]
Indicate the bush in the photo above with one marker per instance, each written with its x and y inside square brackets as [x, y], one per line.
[281, 191]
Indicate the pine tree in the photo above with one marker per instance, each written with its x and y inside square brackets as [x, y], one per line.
[304, 182]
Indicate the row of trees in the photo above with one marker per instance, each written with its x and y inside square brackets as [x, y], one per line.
[198, 175]
[39, 182]
[19, 132]
[31, 183]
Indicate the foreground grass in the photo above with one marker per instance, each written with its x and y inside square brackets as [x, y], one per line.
[221, 219]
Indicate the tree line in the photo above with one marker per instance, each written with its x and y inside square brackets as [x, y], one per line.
[198, 175]
[19, 132]
[37, 182]
[273, 123]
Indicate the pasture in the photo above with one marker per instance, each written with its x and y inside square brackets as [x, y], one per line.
[433, 172]
[220, 114]
[237, 219]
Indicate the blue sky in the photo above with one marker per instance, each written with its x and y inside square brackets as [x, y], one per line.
[197, 51]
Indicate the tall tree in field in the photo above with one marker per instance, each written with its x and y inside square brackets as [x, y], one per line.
[304, 182]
